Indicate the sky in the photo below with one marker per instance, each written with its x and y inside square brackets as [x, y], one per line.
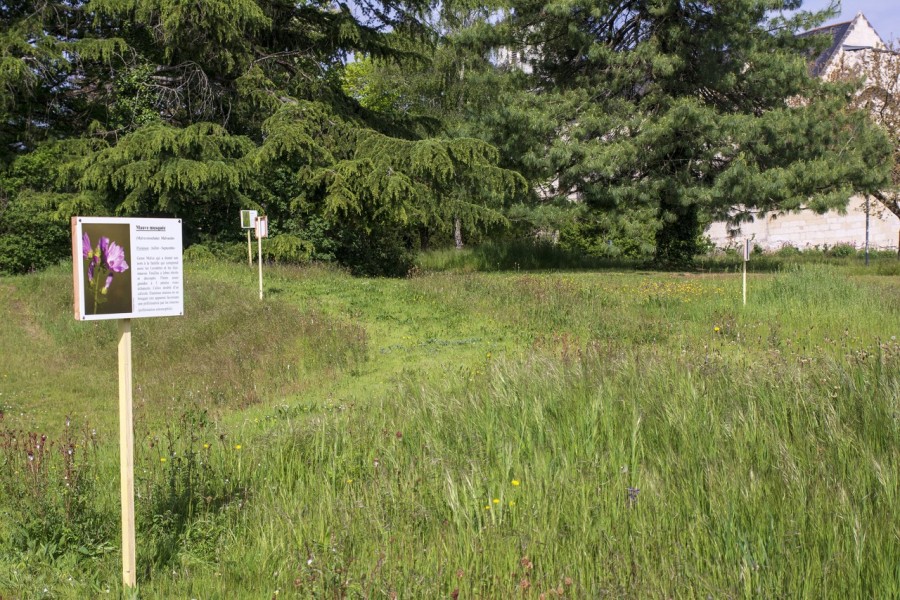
[884, 15]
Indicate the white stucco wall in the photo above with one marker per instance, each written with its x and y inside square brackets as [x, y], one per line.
[806, 229]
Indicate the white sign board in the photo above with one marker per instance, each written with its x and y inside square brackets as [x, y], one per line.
[746, 250]
[262, 227]
[248, 219]
[127, 268]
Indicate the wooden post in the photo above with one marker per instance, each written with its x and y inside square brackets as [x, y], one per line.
[745, 283]
[746, 260]
[259, 259]
[249, 250]
[867, 231]
[126, 455]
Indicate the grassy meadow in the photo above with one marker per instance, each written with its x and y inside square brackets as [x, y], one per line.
[463, 434]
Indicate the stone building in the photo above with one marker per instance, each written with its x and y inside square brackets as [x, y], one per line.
[853, 44]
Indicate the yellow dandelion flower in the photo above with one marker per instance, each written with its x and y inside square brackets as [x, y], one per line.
[487, 507]
[162, 459]
[716, 329]
[206, 446]
[516, 482]
[496, 500]
[237, 446]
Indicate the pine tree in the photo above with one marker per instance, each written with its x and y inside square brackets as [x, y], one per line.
[693, 108]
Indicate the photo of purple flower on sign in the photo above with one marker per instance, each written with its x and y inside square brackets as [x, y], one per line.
[104, 250]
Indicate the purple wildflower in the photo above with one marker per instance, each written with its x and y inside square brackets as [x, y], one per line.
[632, 496]
[115, 258]
[104, 261]
[95, 260]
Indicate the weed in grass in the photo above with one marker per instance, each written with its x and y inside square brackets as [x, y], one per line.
[188, 481]
[49, 487]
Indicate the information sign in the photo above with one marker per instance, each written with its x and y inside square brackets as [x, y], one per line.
[262, 227]
[248, 219]
[127, 268]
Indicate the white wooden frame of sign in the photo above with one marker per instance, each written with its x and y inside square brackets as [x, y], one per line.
[124, 269]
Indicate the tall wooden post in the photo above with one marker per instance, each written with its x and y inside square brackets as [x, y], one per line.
[745, 283]
[746, 260]
[867, 231]
[126, 454]
[259, 259]
[249, 250]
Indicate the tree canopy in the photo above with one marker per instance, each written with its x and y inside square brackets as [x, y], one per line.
[691, 108]
[359, 126]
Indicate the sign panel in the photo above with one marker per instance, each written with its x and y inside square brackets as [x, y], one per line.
[746, 250]
[248, 219]
[127, 268]
[262, 227]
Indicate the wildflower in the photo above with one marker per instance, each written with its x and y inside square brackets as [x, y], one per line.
[487, 507]
[633, 496]
[237, 446]
[515, 482]
[206, 446]
[162, 459]
[716, 329]
[496, 500]
[349, 481]
[114, 255]
[105, 260]
[512, 503]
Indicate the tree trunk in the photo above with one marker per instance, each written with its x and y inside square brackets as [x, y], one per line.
[676, 241]
[457, 233]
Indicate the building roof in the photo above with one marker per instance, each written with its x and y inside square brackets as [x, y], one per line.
[839, 33]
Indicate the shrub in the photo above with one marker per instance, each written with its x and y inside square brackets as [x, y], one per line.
[199, 254]
[787, 250]
[31, 238]
[841, 251]
[287, 248]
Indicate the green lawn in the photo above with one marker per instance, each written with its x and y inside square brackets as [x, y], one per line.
[578, 435]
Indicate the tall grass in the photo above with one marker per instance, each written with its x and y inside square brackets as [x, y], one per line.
[502, 435]
[598, 476]
[516, 255]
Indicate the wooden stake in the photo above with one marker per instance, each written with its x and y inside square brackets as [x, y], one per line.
[259, 259]
[249, 250]
[745, 283]
[126, 454]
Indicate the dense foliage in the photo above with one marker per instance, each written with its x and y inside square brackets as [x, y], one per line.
[879, 95]
[690, 108]
[367, 130]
